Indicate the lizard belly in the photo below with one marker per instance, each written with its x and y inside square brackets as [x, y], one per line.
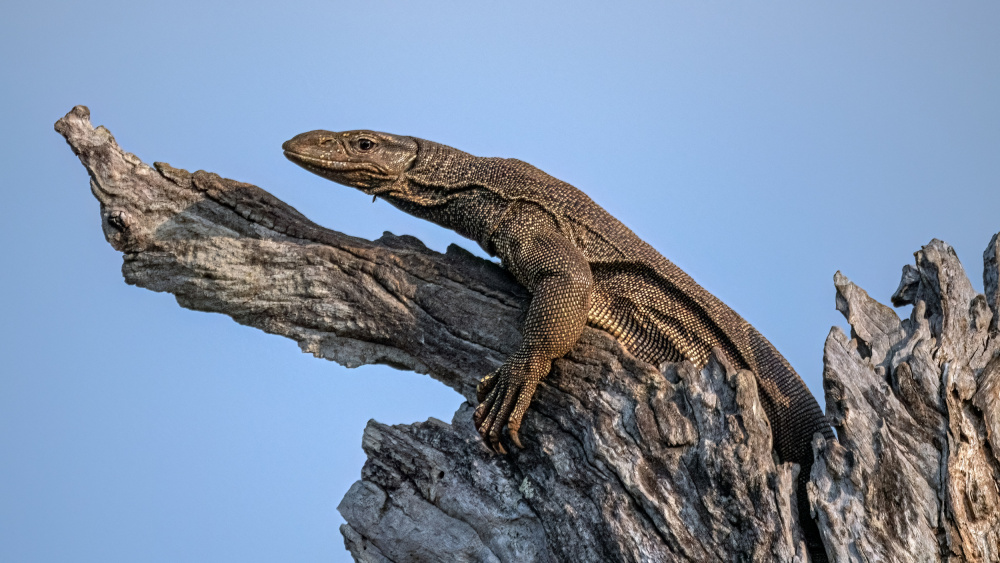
[652, 322]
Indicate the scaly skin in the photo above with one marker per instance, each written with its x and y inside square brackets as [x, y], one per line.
[581, 266]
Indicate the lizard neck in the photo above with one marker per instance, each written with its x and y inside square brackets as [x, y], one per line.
[474, 214]
[446, 168]
[455, 190]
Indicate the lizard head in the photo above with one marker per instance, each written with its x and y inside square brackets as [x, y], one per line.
[371, 161]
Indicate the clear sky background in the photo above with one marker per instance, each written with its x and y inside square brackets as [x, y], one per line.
[760, 146]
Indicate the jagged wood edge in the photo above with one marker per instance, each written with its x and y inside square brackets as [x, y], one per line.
[915, 474]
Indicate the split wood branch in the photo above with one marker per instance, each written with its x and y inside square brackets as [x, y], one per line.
[623, 461]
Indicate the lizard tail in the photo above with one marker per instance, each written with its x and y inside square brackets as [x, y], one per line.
[795, 417]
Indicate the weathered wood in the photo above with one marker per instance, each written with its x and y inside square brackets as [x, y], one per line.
[623, 461]
[913, 477]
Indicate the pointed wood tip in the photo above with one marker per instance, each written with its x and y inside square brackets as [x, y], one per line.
[79, 115]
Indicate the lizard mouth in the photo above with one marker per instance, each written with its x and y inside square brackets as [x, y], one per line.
[314, 163]
[334, 170]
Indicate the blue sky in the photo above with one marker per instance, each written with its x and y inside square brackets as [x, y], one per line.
[760, 146]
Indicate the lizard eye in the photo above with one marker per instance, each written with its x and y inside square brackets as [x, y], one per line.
[365, 144]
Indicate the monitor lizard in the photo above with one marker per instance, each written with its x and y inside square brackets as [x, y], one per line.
[581, 266]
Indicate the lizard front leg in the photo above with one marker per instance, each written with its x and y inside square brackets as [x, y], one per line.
[558, 277]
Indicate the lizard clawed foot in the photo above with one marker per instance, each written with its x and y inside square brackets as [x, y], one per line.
[504, 398]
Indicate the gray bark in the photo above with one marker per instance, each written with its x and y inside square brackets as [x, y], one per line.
[624, 461]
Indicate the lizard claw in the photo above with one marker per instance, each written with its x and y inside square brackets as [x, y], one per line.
[516, 439]
[496, 445]
[485, 419]
[504, 398]
[483, 429]
[486, 385]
